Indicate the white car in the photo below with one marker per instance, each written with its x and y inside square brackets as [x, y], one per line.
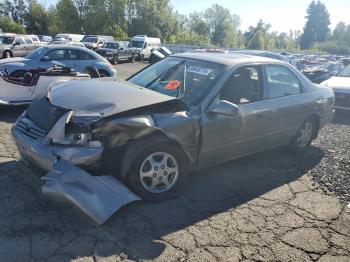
[341, 87]
[34, 84]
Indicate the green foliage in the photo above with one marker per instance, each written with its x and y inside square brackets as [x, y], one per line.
[317, 25]
[8, 25]
[67, 18]
[215, 26]
[37, 22]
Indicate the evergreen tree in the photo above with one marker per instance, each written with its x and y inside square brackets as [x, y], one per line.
[316, 28]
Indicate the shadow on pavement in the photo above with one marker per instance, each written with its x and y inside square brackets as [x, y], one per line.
[135, 230]
[9, 114]
[341, 118]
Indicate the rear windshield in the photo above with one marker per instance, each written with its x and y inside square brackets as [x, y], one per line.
[111, 45]
[187, 79]
[136, 44]
[90, 40]
[345, 72]
[6, 40]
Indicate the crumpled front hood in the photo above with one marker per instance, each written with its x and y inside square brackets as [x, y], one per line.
[103, 97]
[339, 84]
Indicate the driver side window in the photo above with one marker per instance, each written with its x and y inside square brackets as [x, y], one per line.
[56, 54]
[244, 86]
[19, 41]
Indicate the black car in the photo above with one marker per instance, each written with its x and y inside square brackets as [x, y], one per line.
[117, 51]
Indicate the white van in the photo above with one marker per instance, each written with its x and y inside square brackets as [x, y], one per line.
[144, 46]
[70, 37]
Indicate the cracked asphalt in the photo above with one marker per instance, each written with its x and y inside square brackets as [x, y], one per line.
[272, 206]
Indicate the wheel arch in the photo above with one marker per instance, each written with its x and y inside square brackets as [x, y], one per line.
[7, 51]
[317, 121]
[136, 146]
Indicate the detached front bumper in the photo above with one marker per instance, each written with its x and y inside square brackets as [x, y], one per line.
[97, 196]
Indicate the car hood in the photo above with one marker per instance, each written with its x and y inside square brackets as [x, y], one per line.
[13, 60]
[102, 97]
[339, 84]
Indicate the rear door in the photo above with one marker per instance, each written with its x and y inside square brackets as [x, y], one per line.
[288, 104]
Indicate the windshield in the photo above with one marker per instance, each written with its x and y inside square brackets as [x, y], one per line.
[111, 45]
[36, 53]
[190, 80]
[136, 44]
[345, 72]
[6, 40]
[90, 40]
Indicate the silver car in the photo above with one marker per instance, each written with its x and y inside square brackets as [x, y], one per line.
[12, 45]
[185, 112]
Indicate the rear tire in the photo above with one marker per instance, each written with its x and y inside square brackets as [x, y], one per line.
[304, 136]
[103, 73]
[159, 172]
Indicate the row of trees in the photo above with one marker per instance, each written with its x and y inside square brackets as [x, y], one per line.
[215, 26]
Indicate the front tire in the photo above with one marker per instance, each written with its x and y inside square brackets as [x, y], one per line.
[159, 172]
[6, 54]
[303, 138]
[133, 58]
[115, 60]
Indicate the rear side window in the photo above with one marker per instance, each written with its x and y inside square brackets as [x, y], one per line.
[28, 40]
[85, 56]
[280, 82]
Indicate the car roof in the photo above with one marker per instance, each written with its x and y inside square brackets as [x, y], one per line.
[227, 58]
[65, 46]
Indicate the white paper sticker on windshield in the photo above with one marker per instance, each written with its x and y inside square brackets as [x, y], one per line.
[199, 70]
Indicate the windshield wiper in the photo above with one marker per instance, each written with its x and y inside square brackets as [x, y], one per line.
[165, 73]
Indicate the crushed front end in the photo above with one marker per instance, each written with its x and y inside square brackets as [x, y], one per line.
[47, 137]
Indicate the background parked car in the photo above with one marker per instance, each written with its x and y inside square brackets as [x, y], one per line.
[320, 72]
[117, 51]
[96, 41]
[341, 87]
[45, 38]
[143, 46]
[69, 37]
[66, 42]
[78, 58]
[263, 53]
[12, 45]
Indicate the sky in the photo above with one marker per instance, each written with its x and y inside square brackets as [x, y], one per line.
[283, 15]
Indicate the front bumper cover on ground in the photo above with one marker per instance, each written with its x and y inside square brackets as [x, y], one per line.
[97, 196]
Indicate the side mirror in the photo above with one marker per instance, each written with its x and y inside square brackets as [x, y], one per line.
[45, 58]
[121, 48]
[16, 43]
[224, 107]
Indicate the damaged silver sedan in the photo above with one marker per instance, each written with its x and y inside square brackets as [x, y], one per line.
[106, 143]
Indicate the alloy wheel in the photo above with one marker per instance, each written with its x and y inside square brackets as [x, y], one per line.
[159, 172]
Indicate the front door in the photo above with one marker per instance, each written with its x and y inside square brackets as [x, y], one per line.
[229, 136]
